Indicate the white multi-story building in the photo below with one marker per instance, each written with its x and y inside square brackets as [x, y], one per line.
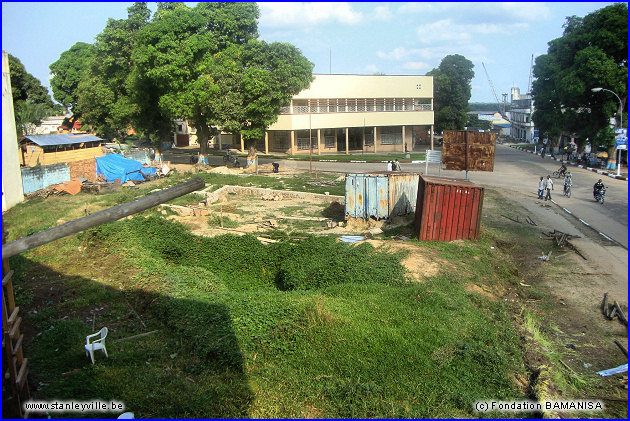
[521, 110]
[346, 113]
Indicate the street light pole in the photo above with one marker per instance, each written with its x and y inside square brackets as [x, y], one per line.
[620, 121]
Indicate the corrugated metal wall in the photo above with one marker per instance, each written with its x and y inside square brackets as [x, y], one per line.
[37, 178]
[381, 195]
[448, 209]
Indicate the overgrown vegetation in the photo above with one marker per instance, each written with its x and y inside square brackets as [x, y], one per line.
[292, 329]
[305, 327]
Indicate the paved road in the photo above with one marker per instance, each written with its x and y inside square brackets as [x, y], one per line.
[520, 171]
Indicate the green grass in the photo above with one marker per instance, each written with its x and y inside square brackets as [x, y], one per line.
[291, 329]
[225, 221]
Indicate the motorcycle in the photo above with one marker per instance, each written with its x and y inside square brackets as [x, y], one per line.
[600, 195]
[228, 157]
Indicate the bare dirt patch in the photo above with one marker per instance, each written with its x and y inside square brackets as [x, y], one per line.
[483, 291]
[419, 261]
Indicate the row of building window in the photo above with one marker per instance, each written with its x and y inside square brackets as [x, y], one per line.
[389, 136]
[358, 105]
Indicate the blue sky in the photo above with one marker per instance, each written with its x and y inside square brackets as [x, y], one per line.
[362, 37]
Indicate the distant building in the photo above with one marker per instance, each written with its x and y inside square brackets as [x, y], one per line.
[58, 148]
[521, 110]
[52, 124]
[344, 113]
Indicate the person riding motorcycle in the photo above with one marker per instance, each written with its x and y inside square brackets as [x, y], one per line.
[599, 186]
[563, 169]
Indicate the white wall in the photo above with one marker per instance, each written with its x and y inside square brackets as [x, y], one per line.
[368, 86]
[11, 176]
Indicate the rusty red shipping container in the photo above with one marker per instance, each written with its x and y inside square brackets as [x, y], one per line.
[448, 209]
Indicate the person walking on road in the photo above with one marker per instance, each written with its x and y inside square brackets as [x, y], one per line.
[568, 182]
[389, 165]
[541, 187]
[548, 187]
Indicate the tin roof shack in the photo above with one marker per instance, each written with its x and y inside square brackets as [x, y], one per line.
[59, 148]
[381, 195]
[448, 209]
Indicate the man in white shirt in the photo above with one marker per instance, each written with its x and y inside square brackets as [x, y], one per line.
[541, 187]
[548, 187]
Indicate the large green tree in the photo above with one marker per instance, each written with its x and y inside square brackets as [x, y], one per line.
[451, 86]
[31, 101]
[103, 97]
[67, 73]
[592, 52]
[206, 65]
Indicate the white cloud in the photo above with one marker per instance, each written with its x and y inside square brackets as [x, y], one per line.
[447, 30]
[382, 13]
[397, 53]
[308, 14]
[371, 68]
[423, 8]
[416, 65]
[524, 11]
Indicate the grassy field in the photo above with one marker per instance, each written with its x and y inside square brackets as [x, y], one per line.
[305, 327]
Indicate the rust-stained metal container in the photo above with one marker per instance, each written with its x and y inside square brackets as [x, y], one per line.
[381, 195]
[448, 209]
[468, 150]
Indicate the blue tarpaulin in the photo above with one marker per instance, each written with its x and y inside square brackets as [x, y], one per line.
[114, 166]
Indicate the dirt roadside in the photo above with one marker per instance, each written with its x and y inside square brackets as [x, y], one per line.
[572, 290]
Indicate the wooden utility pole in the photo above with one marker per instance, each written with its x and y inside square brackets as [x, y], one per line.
[106, 215]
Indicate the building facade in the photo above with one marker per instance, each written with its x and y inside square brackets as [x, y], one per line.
[521, 110]
[50, 149]
[350, 113]
[12, 193]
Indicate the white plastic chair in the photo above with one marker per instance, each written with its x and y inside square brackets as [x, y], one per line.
[96, 344]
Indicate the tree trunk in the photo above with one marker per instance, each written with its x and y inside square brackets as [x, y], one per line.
[203, 135]
[612, 158]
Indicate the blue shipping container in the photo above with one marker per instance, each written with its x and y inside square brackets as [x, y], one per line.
[381, 195]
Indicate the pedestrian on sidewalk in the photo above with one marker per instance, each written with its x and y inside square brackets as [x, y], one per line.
[548, 187]
[541, 187]
[389, 165]
[396, 165]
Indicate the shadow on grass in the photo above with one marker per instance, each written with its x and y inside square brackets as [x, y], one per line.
[178, 371]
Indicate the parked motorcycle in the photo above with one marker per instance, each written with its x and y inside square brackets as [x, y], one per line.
[229, 157]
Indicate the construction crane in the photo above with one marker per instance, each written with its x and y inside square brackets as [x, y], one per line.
[494, 92]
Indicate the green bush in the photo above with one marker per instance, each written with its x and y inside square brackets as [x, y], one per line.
[319, 262]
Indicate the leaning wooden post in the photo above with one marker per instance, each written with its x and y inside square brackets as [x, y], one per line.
[106, 215]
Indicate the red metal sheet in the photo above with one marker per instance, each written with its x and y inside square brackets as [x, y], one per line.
[467, 213]
[447, 209]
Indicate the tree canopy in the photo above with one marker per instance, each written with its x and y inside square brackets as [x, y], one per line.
[67, 72]
[592, 52]
[204, 64]
[451, 86]
[103, 96]
[31, 101]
